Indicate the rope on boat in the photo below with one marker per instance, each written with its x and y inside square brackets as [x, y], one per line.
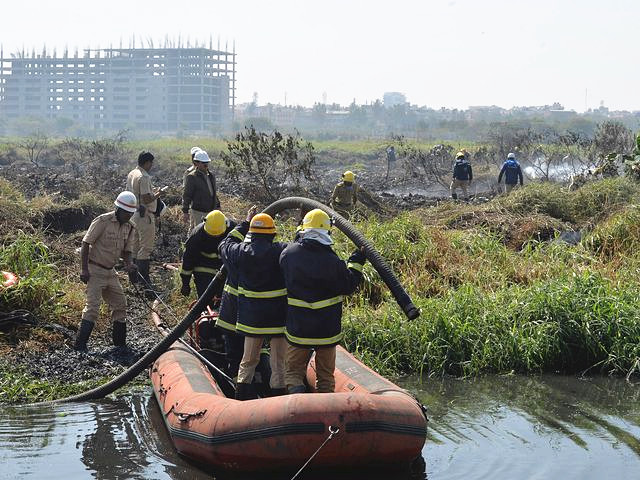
[333, 431]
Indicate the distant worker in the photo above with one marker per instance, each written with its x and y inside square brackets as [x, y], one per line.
[345, 195]
[199, 196]
[262, 298]
[316, 280]
[462, 176]
[139, 182]
[512, 173]
[391, 159]
[110, 236]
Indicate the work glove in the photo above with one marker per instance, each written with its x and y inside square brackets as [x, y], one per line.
[358, 256]
[186, 287]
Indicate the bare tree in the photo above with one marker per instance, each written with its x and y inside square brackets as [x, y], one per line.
[34, 145]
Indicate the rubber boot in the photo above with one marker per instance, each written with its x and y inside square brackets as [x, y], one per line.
[143, 269]
[454, 196]
[86, 327]
[276, 392]
[134, 279]
[245, 391]
[119, 334]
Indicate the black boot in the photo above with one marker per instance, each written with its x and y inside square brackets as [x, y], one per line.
[133, 275]
[119, 334]
[86, 327]
[245, 391]
[454, 196]
[143, 269]
[276, 392]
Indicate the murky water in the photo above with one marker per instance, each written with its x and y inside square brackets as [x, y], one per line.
[495, 428]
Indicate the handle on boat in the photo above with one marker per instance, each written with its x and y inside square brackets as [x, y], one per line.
[378, 262]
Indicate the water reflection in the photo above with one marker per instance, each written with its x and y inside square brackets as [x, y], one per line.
[531, 427]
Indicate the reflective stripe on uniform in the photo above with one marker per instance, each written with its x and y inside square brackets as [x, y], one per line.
[229, 289]
[237, 234]
[205, 270]
[185, 272]
[267, 294]
[209, 255]
[355, 266]
[313, 341]
[314, 305]
[259, 330]
[226, 325]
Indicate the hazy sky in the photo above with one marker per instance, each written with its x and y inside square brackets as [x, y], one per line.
[449, 53]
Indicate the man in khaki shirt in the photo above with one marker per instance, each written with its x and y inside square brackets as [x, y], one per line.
[109, 237]
[345, 195]
[139, 182]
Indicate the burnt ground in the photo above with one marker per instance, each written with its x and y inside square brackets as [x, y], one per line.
[75, 198]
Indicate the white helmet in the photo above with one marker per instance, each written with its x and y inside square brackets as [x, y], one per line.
[195, 150]
[126, 201]
[201, 156]
[511, 155]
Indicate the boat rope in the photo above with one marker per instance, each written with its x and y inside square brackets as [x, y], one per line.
[184, 343]
[333, 431]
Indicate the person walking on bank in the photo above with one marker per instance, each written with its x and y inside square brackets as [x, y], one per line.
[262, 298]
[110, 236]
[316, 280]
[139, 182]
[462, 176]
[199, 196]
[512, 173]
[345, 195]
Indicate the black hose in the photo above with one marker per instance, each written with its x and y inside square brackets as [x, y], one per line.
[152, 355]
[381, 266]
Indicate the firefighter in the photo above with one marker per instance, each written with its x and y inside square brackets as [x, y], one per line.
[462, 176]
[512, 173]
[199, 195]
[345, 195]
[262, 298]
[192, 167]
[139, 182]
[110, 236]
[316, 280]
[201, 259]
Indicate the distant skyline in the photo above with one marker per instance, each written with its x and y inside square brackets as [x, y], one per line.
[453, 54]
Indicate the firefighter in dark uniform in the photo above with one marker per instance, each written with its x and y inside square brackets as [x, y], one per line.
[316, 280]
[262, 298]
[201, 260]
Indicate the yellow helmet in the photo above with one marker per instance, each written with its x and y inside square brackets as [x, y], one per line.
[262, 223]
[348, 176]
[316, 218]
[215, 223]
[460, 154]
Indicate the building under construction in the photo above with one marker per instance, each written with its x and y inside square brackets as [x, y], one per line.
[157, 89]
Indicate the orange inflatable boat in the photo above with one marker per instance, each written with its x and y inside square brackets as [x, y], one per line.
[367, 421]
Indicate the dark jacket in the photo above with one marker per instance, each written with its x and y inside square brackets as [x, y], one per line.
[196, 193]
[316, 280]
[201, 251]
[228, 314]
[512, 173]
[262, 297]
[462, 170]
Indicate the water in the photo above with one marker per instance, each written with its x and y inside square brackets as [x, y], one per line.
[494, 427]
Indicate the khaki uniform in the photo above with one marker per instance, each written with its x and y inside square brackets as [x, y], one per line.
[297, 361]
[251, 358]
[344, 198]
[462, 184]
[107, 240]
[139, 182]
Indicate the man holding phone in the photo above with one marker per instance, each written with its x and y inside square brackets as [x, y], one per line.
[139, 182]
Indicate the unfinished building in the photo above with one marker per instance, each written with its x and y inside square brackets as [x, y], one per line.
[155, 89]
